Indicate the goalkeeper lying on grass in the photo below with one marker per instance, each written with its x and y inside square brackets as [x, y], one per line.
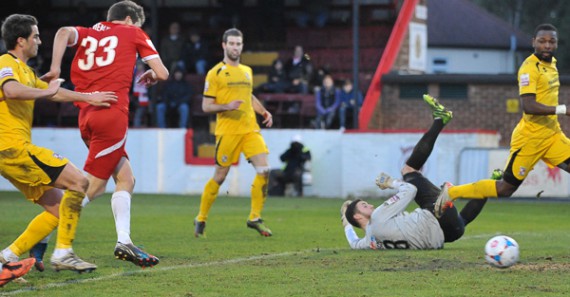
[389, 226]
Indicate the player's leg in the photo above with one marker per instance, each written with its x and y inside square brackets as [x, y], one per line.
[48, 220]
[451, 223]
[121, 205]
[559, 153]
[256, 152]
[424, 147]
[63, 258]
[208, 197]
[474, 206]
[438, 110]
[228, 148]
[524, 154]
[38, 251]
[41, 226]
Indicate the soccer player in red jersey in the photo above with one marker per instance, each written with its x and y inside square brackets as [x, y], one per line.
[104, 61]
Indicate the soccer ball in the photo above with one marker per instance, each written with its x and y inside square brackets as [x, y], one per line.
[502, 251]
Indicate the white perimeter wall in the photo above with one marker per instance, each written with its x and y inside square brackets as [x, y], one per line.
[344, 164]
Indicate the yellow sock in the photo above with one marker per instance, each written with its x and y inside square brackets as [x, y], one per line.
[485, 188]
[69, 211]
[208, 197]
[40, 227]
[258, 195]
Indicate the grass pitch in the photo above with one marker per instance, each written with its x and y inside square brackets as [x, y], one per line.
[307, 256]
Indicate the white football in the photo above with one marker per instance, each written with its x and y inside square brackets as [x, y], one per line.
[502, 251]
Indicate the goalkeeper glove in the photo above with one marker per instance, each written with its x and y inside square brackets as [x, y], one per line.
[343, 213]
[384, 181]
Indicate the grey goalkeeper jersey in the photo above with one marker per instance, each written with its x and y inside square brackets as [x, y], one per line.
[391, 227]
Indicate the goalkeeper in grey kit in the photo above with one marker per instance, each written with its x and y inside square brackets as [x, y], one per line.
[389, 226]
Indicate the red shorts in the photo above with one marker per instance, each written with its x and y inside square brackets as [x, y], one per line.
[104, 130]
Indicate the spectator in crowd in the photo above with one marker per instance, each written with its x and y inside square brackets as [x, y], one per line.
[298, 71]
[196, 54]
[277, 81]
[316, 11]
[327, 99]
[348, 103]
[176, 95]
[316, 79]
[140, 95]
[171, 47]
[294, 158]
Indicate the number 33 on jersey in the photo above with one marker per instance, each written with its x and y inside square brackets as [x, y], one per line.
[106, 56]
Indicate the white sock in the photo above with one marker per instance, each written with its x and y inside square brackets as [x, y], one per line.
[60, 253]
[9, 256]
[85, 201]
[121, 205]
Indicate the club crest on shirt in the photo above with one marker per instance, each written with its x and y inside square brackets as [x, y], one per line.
[522, 171]
[57, 156]
[524, 80]
[247, 76]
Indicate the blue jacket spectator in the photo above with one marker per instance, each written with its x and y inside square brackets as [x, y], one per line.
[327, 99]
[348, 102]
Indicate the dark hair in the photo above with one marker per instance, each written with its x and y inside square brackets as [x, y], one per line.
[350, 211]
[544, 27]
[16, 26]
[231, 32]
[120, 10]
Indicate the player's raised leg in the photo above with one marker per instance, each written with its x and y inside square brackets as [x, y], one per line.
[438, 110]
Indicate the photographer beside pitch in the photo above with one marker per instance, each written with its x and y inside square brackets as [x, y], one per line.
[389, 226]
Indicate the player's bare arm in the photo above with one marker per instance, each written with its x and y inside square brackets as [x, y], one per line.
[258, 107]
[209, 105]
[531, 106]
[96, 99]
[156, 73]
[14, 90]
[64, 37]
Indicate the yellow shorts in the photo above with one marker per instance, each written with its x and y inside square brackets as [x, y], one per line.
[526, 152]
[228, 147]
[31, 168]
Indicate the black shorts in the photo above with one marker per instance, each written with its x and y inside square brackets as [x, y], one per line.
[427, 191]
[451, 222]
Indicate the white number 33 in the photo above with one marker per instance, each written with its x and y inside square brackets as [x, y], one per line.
[91, 44]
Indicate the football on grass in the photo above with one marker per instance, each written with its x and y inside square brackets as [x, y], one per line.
[502, 251]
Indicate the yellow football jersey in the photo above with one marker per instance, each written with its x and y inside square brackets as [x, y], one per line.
[16, 115]
[224, 84]
[540, 78]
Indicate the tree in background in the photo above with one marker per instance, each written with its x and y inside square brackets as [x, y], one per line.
[525, 15]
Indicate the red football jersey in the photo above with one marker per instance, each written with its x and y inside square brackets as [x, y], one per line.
[105, 59]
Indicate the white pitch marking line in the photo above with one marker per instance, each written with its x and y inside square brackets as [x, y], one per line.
[153, 270]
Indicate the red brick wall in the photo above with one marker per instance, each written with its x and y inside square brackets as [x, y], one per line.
[485, 109]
